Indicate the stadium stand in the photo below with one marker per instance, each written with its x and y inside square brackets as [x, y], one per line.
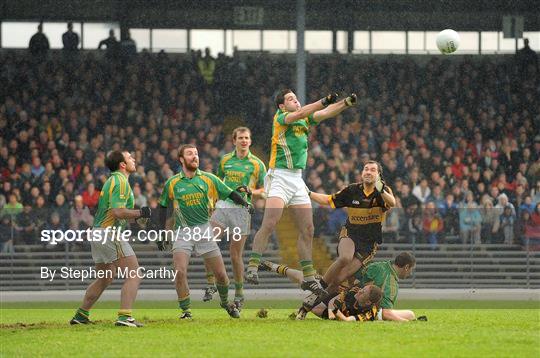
[458, 140]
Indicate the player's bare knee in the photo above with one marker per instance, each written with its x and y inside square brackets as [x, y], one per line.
[307, 232]
[236, 256]
[344, 261]
[181, 273]
[105, 282]
[221, 277]
[267, 227]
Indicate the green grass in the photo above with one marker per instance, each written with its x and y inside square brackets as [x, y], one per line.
[37, 329]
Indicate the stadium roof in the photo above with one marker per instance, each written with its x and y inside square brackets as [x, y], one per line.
[465, 15]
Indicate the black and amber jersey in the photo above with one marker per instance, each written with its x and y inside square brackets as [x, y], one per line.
[349, 306]
[365, 210]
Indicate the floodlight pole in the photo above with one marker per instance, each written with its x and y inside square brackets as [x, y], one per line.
[300, 51]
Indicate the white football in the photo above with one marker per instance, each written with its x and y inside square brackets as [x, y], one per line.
[447, 41]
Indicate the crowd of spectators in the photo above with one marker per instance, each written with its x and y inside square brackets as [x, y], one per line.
[458, 139]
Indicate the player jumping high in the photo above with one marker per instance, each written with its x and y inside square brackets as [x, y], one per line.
[284, 185]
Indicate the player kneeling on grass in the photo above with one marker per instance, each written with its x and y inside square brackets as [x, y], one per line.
[383, 274]
[193, 194]
[354, 304]
[115, 207]
[244, 171]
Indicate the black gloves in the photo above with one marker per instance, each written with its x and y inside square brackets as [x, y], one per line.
[146, 212]
[328, 100]
[350, 100]
[244, 189]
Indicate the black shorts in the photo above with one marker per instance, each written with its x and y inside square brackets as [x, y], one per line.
[363, 250]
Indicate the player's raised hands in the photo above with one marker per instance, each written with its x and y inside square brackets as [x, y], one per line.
[328, 100]
[351, 100]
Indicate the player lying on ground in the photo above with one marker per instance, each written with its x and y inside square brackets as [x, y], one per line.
[351, 304]
[244, 171]
[284, 185]
[192, 193]
[115, 207]
[383, 274]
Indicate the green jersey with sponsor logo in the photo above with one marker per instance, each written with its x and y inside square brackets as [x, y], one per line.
[249, 171]
[193, 199]
[116, 193]
[383, 275]
[289, 142]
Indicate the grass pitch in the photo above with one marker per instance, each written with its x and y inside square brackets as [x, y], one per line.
[466, 330]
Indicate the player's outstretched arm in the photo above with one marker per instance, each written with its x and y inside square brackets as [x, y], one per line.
[341, 317]
[335, 109]
[397, 315]
[321, 199]
[311, 108]
[123, 213]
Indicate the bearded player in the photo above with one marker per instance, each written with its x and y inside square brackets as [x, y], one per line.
[193, 194]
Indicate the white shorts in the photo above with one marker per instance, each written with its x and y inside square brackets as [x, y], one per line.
[230, 215]
[288, 185]
[108, 251]
[189, 240]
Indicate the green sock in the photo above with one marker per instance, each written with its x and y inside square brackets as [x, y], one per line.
[210, 279]
[223, 291]
[82, 314]
[124, 314]
[308, 270]
[185, 303]
[238, 289]
[254, 261]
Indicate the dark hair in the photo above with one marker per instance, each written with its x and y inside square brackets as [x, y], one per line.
[114, 159]
[375, 295]
[280, 96]
[404, 258]
[379, 166]
[183, 147]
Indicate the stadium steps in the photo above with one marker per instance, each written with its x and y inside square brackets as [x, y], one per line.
[487, 266]
[287, 235]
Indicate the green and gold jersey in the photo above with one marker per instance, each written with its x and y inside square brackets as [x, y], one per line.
[193, 199]
[115, 194]
[289, 142]
[383, 275]
[249, 171]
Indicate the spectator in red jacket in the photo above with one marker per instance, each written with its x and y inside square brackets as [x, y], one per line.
[90, 196]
